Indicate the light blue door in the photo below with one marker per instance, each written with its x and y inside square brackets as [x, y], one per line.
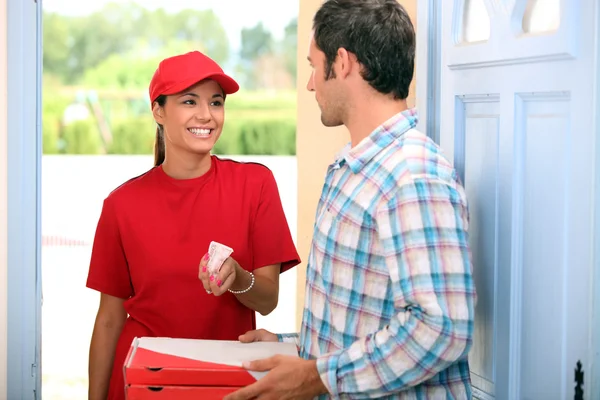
[24, 157]
[517, 114]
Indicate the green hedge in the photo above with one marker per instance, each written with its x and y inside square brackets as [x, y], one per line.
[256, 123]
[275, 136]
[52, 110]
[241, 136]
[81, 137]
[133, 136]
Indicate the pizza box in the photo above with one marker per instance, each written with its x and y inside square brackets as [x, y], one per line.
[160, 362]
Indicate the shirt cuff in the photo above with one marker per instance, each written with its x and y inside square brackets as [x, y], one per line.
[289, 338]
[327, 366]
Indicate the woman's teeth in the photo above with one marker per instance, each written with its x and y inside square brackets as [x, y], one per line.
[200, 132]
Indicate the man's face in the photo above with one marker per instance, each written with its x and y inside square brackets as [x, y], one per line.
[327, 92]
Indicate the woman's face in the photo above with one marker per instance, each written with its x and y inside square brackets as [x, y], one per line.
[193, 119]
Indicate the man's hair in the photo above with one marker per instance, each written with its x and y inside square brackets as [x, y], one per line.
[378, 32]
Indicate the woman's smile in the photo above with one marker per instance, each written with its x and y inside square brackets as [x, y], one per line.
[201, 132]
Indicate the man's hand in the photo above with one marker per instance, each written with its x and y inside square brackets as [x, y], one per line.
[288, 378]
[259, 335]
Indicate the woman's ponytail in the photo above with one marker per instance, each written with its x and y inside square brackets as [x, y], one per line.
[159, 146]
[159, 142]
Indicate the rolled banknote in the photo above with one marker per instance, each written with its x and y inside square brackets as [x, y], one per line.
[218, 253]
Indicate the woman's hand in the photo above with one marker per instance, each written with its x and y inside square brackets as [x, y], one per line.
[258, 290]
[221, 282]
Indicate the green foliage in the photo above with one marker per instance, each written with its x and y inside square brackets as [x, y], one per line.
[256, 100]
[133, 136]
[52, 108]
[255, 123]
[256, 42]
[290, 44]
[269, 137]
[56, 43]
[50, 133]
[81, 137]
[275, 136]
[74, 45]
[119, 72]
[105, 60]
[260, 49]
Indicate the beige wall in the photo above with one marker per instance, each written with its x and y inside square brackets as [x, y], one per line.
[3, 195]
[316, 145]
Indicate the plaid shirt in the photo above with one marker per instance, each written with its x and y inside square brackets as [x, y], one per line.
[389, 289]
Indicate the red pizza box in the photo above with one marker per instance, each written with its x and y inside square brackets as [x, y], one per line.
[142, 392]
[190, 362]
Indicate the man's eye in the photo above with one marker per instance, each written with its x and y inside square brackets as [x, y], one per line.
[189, 102]
[216, 103]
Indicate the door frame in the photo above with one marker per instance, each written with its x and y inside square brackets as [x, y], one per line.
[24, 48]
[428, 67]
[24, 295]
[592, 382]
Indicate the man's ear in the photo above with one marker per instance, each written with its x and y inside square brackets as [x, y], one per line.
[344, 63]
[158, 112]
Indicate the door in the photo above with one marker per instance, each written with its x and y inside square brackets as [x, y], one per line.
[24, 159]
[516, 109]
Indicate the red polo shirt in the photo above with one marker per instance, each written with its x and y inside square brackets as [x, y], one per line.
[154, 230]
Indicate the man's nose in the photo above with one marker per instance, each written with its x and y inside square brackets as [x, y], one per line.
[310, 85]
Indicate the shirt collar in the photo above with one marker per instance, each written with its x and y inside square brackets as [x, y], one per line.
[379, 139]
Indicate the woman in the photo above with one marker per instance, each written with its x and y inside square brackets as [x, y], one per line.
[149, 254]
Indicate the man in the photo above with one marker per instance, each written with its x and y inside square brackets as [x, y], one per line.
[389, 294]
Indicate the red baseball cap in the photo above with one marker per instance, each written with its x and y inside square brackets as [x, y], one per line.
[178, 73]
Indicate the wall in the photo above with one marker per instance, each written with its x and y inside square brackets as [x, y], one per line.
[3, 195]
[316, 145]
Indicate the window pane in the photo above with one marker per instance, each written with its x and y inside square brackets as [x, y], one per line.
[541, 16]
[475, 22]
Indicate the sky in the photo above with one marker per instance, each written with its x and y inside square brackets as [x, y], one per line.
[234, 14]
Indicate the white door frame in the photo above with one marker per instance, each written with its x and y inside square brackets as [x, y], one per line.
[428, 66]
[592, 382]
[24, 189]
[24, 173]
[428, 103]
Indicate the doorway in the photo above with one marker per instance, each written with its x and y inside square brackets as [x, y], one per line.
[73, 121]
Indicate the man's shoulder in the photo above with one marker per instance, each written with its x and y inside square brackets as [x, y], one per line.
[414, 157]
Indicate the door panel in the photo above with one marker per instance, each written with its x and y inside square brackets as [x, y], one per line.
[544, 138]
[480, 175]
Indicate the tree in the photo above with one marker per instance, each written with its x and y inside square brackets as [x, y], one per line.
[74, 45]
[290, 48]
[95, 37]
[256, 42]
[265, 64]
[204, 28]
[56, 48]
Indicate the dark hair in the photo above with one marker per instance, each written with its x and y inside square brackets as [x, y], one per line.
[378, 32]
[159, 142]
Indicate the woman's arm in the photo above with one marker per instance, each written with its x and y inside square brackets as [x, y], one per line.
[109, 323]
[264, 294]
[273, 251]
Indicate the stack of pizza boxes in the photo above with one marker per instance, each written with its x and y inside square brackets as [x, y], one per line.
[182, 369]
